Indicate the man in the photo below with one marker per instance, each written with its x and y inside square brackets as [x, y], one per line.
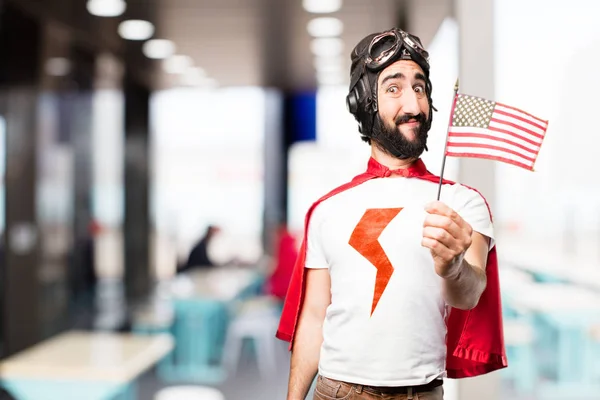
[392, 291]
[198, 257]
[285, 258]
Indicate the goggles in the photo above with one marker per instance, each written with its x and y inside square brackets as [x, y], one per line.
[393, 45]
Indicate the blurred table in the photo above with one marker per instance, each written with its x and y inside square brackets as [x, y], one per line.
[572, 312]
[82, 366]
[556, 298]
[218, 283]
[580, 266]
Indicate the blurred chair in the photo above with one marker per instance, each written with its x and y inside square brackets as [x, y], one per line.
[519, 340]
[545, 277]
[256, 321]
[520, 335]
[198, 329]
[189, 393]
[203, 302]
[152, 320]
[594, 353]
[253, 289]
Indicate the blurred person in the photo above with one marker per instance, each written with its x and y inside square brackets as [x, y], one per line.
[286, 253]
[393, 292]
[265, 294]
[84, 277]
[90, 275]
[199, 257]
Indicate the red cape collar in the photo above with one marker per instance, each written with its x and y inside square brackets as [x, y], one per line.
[379, 170]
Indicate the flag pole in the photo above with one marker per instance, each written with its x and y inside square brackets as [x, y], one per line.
[446, 144]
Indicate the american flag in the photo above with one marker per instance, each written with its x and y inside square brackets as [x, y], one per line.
[482, 128]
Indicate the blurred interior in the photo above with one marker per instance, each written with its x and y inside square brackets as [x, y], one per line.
[130, 128]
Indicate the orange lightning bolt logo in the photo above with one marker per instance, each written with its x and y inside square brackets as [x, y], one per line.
[365, 240]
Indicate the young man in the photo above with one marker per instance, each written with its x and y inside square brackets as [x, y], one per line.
[392, 291]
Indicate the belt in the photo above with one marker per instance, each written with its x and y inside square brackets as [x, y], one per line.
[428, 387]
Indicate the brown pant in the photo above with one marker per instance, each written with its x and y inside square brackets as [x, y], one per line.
[330, 389]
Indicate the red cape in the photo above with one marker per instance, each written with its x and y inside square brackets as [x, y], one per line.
[475, 340]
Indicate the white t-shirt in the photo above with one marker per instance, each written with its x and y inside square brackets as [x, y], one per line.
[403, 341]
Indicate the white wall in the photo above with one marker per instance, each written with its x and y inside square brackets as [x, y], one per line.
[207, 167]
[547, 54]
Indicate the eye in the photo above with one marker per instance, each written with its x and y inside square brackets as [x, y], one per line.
[393, 89]
[419, 89]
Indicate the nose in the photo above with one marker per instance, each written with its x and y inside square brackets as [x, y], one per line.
[410, 103]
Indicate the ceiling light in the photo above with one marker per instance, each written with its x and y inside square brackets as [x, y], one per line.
[330, 81]
[325, 27]
[192, 79]
[330, 68]
[57, 66]
[322, 6]
[106, 8]
[326, 47]
[328, 63]
[329, 75]
[158, 48]
[136, 29]
[210, 83]
[193, 76]
[197, 72]
[177, 64]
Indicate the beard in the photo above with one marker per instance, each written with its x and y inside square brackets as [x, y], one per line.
[391, 140]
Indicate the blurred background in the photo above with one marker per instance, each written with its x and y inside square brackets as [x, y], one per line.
[157, 158]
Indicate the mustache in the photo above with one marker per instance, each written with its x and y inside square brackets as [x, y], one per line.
[420, 118]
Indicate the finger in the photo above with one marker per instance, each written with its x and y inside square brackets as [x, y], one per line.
[437, 207]
[431, 244]
[446, 223]
[440, 208]
[438, 250]
[442, 236]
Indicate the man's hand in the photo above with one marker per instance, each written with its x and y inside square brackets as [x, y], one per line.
[448, 237]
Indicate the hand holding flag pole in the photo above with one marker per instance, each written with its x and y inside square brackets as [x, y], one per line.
[481, 128]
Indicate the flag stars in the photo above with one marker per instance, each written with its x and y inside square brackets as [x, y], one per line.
[472, 111]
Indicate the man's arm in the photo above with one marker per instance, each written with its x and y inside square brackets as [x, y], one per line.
[309, 333]
[459, 255]
[464, 286]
